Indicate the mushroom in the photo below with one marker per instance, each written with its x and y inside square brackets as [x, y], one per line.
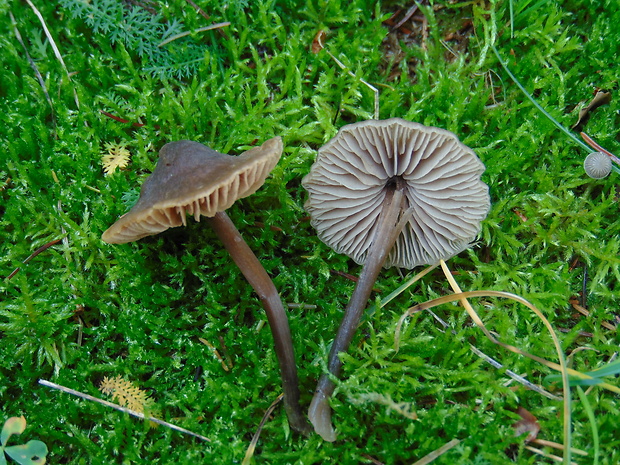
[597, 165]
[191, 178]
[389, 193]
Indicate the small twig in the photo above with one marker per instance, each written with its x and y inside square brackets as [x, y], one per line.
[55, 48]
[121, 120]
[199, 10]
[122, 409]
[250, 452]
[350, 277]
[201, 29]
[32, 255]
[372, 459]
[302, 306]
[585, 312]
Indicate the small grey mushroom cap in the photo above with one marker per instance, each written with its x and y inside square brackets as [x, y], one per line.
[597, 165]
[191, 178]
[347, 186]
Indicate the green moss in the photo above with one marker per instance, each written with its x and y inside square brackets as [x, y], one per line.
[82, 309]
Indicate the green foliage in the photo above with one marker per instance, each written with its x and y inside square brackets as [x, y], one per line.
[31, 453]
[597, 376]
[83, 309]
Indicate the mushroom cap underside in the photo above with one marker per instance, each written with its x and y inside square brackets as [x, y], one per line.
[347, 186]
[191, 178]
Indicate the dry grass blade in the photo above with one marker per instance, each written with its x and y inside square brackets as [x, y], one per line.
[55, 48]
[202, 29]
[34, 67]
[438, 452]
[585, 312]
[462, 298]
[318, 46]
[545, 454]
[215, 353]
[122, 409]
[558, 446]
[507, 295]
[252, 447]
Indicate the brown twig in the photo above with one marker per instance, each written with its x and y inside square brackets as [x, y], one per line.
[121, 120]
[350, 277]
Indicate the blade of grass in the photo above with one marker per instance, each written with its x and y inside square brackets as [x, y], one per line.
[55, 48]
[565, 384]
[403, 287]
[537, 105]
[588, 409]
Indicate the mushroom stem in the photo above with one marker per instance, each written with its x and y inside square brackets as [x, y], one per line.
[258, 278]
[388, 229]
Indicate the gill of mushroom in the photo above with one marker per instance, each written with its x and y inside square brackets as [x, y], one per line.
[193, 179]
[389, 193]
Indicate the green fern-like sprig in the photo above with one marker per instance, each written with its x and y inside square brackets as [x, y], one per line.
[141, 32]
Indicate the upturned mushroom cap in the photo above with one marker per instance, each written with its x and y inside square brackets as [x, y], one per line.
[347, 185]
[597, 165]
[190, 178]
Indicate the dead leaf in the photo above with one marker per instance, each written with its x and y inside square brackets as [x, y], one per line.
[317, 43]
[527, 424]
[601, 97]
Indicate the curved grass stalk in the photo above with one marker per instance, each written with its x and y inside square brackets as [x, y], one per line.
[536, 104]
[462, 297]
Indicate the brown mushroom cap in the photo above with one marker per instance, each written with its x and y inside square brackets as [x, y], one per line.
[192, 178]
[347, 186]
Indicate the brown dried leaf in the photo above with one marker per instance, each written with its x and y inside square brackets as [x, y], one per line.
[601, 97]
[528, 424]
[317, 43]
